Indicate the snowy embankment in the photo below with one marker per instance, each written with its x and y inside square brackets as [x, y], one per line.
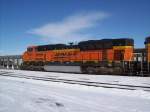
[27, 95]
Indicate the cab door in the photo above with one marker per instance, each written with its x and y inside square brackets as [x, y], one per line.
[119, 55]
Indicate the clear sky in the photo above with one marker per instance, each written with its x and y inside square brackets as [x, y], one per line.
[35, 22]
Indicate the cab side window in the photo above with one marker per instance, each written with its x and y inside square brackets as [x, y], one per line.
[29, 49]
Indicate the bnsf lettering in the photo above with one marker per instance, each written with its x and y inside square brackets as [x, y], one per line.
[66, 54]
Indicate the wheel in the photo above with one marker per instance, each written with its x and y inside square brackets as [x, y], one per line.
[84, 69]
[90, 70]
[103, 71]
[117, 71]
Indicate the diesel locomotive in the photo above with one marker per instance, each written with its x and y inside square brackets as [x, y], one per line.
[105, 56]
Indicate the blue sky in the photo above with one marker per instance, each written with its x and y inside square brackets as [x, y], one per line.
[33, 22]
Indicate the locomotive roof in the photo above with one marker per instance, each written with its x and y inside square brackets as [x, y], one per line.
[89, 44]
[55, 46]
[101, 40]
[128, 41]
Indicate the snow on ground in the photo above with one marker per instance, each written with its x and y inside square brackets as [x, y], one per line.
[129, 80]
[27, 95]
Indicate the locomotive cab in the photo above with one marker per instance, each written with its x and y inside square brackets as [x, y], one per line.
[123, 54]
[29, 53]
[123, 49]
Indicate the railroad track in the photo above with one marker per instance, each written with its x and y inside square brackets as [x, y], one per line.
[79, 82]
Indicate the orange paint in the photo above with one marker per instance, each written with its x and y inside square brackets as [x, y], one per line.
[75, 55]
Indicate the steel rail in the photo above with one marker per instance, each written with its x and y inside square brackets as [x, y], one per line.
[86, 83]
